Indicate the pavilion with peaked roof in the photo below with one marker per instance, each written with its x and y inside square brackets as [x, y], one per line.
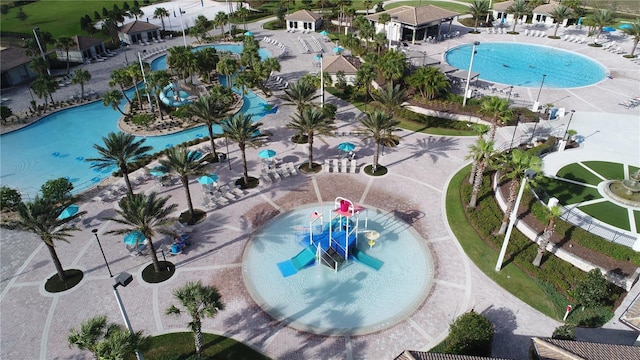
[411, 23]
[84, 49]
[347, 65]
[138, 31]
[303, 20]
[15, 67]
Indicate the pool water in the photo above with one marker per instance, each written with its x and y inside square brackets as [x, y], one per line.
[354, 300]
[525, 64]
[57, 145]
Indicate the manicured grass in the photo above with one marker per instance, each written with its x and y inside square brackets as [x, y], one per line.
[578, 173]
[566, 192]
[417, 127]
[609, 213]
[510, 277]
[636, 215]
[607, 169]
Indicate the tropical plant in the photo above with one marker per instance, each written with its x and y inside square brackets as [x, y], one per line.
[81, 77]
[311, 122]
[364, 76]
[379, 127]
[470, 334]
[391, 98]
[161, 13]
[43, 87]
[301, 94]
[199, 301]
[182, 61]
[228, 66]
[156, 81]
[112, 98]
[559, 13]
[482, 154]
[147, 214]
[9, 198]
[206, 62]
[633, 30]
[210, 110]
[65, 43]
[242, 130]
[601, 18]
[184, 163]
[40, 66]
[119, 150]
[242, 12]
[393, 65]
[553, 214]
[105, 340]
[135, 74]
[57, 190]
[41, 217]
[518, 8]
[594, 290]
[121, 78]
[430, 81]
[220, 20]
[199, 28]
[478, 9]
[498, 109]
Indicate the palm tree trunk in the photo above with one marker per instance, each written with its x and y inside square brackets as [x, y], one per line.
[185, 183]
[213, 143]
[492, 129]
[82, 90]
[376, 154]
[198, 340]
[68, 62]
[135, 84]
[56, 262]
[477, 183]
[125, 175]
[310, 141]
[124, 93]
[159, 107]
[513, 192]
[154, 256]
[245, 172]
[474, 169]
[556, 30]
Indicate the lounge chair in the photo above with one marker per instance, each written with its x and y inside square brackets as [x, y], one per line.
[327, 165]
[343, 165]
[354, 166]
[334, 165]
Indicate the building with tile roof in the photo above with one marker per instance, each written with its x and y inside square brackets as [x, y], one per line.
[541, 14]
[348, 65]
[303, 20]
[84, 49]
[138, 31]
[15, 67]
[424, 355]
[555, 349]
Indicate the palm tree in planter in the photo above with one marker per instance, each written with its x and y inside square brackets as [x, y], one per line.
[310, 122]
[558, 14]
[479, 130]
[553, 214]
[105, 340]
[185, 163]
[156, 81]
[120, 149]
[121, 78]
[81, 77]
[482, 153]
[210, 110]
[518, 8]
[199, 301]
[113, 98]
[513, 167]
[633, 30]
[148, 214]
[478, 9]
[40, 217]
[242, 130]
[498, 109]
[379, 127]
[301, 94]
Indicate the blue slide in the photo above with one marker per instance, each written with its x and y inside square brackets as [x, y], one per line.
[304, 258]
[366, 259]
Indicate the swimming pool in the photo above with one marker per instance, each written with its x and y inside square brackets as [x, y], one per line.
[356, 299]
[525, 64]
[48, 149]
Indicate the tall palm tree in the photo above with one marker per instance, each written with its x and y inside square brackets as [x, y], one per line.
[43, 87]
[65, 43]
[479, 130]
[513, 167]
[161, 13]
[391, 98]
[364, 76]
[634, 31]
[518, 8]
[559, 13]
[601, 18]
[199, 301]
[242, 12]
[210, 110]
[40, 217]
[379, 127]
[429, 81]
[81, 77]
[301, 94]
[119, 149]
[220, 20]
[156, 81]
[121, 78]
[482, 153]
[228, 66]
[242, 130]
[135, 74]
[310, 122]
[393, 65]
[148, 214]
[105, 340]
[478, 9]
[206, 62]
[553, 214]
[498, 109]
[184, 163]
[112, 98]
[383, 19]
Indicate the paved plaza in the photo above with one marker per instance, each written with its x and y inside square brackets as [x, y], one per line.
[35, 324]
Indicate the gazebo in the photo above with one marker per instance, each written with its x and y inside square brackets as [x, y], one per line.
[410, 23]
[347, 65]
[138, 32]
[303, 20]
[84, 49]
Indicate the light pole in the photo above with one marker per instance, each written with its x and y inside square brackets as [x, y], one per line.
[144, 80]
[466, 88]
[489, 12]
[509, 97]
[95, 232]
[528, 174]
[321, 82]
[226, 142]
[564, 137]
[514, 130]
[184, 37]
[537, 103]
[424, 58]
[123, 279]
[35, 33]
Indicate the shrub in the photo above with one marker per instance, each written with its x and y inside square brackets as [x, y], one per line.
[470, 334]
[9, 198]
[593, 291]
[143, 120]
[564, 332]
[57, 189]
[329, 110]
[5, 112]
[590, 317]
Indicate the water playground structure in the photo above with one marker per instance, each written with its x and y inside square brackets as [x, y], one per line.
[333, 243]
[173, 96]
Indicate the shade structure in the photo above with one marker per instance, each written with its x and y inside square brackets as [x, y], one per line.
[324, 33]
[346, 146]
[625, 26]
[208, 179]
[158, 171]
[248, 33]
[69, 211]
[608, 29]
[266, 154]
[134, 237]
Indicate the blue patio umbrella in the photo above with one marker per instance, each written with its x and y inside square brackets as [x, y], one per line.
[580, 21]
[266, 154]
[337, 49]
[625, 26]
[134, 237]
[502, 21]
[158, 171]
[208, 179]
[69, 211]
[346, 146]
[317, 57]
[248, 33]
[324, 33]
[608, 29]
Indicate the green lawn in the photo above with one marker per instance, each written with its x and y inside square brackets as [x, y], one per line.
[568, 193]
[636, 215]
[609, 213]
[578, 173]
[607, 169]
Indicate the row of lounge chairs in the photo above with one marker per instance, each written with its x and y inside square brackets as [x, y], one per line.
[302, 45]
[304, 31]
[149, 42]
[535, 33]
[631, 103]
[222, 196]
[277, 83]
[284, 48]
[574, 39]
[343, 165]
[269, 176]
[498, 30]
[154, 51]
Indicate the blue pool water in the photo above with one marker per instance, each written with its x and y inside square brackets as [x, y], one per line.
[57, 145]
[355, 300]
[525, 64]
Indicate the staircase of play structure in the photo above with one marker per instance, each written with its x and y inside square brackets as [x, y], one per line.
[332, 259]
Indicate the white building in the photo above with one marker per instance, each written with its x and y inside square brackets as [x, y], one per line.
[303, 20]
[409, 23]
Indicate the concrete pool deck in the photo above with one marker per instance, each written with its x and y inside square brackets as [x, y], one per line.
[35, 324]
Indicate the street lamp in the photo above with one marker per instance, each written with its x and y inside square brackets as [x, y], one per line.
[564, 137]
[95, 232]
[424, 57]
[466, 88]
[184, 37]
[489, 12]
[321, 82]
[528, 175]
[35, 33]
[123, 279]
[144, 80]
[509, 97]
[537, 103]
[515, 129]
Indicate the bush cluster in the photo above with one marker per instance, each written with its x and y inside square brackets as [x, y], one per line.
[470, 334]
[433, 122]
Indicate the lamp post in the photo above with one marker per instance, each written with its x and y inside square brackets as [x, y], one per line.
[528, 174]
[489, 12]
[184, 37]
[226, 142]
[514, 131]
[123, 279]
[321, 82]
[466, 88]
[537, 103]
[424, 58]
[95, 232]
[35, 33]
[564, 137]
[144, 80]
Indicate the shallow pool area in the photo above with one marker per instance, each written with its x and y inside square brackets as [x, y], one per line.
[525, 64]
[356, 299]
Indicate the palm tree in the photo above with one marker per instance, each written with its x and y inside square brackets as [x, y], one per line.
[161, 13]
[482, 153]
[65, 43]
[364, 76]
[147, 214]
[184, 163]
[498, 109]
[135, 74]
[601, 18]
[112, 98]
[310, 122]
[514, 166]
[119, 149]
[242, 130]
[391, 98]
[228, 66]
[553, 213]
[478, 9]
[105, 340]
[121, 78]
[220, 20]
[81, 77]
[40, 217]
[242, 12]
[199, 301]
[559, 13]
[43, 87]
[379, 126]
[383, 19]
[210, 110]
[206, 62]
[634, 31]
[156, 81]
[301, 94]
[429, 81]
[518, 8]
[393, 65]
